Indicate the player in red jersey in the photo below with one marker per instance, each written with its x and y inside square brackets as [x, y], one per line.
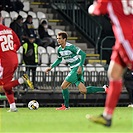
[121, 15]
[9, 44]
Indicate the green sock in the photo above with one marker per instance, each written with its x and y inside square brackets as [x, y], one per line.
[2, 96]
[94, 89]
[65, 93]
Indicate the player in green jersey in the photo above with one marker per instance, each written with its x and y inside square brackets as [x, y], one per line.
[71, 54]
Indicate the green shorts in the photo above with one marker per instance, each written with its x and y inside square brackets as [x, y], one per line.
[75, 78]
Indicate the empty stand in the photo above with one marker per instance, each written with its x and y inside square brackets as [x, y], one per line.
[5, 14]
[33, 14]
[26, 6]
[53, 57]
[23, 14]
[35, 23]
[50, 50]
[44, 58]
[13, 14]
[7, 21]
[41, 15]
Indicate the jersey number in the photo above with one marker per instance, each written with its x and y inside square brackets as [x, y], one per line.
[127, 6]
[6, 42]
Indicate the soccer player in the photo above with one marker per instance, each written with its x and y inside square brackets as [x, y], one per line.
[71, 54]
[9, 44]
[121, 14]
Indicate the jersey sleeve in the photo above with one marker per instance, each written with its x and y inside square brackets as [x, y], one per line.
[100, 7]
[78, 51]
[83, 57]
[16, 41]
[58, 61]
[75, 49]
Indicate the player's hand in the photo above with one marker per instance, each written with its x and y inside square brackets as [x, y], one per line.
[79, 71]
[47, 70]
[91, 8]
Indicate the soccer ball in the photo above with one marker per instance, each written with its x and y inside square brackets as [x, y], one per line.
[33, 105]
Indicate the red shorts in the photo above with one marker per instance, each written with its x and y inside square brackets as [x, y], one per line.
[8, 73]
[120, 56]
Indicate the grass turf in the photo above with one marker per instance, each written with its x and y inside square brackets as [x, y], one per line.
[46, 120]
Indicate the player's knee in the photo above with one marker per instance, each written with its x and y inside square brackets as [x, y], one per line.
[82, 91]
[114, 76]
[63, 87]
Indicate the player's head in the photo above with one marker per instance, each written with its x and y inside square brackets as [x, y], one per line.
[62, 37]
[63, 34]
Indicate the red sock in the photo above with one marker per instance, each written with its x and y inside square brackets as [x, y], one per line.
[10, 96]
[8, 86]
[114, 92]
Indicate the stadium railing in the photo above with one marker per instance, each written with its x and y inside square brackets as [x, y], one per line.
[78, 16]
[52, 81]
[106, 46]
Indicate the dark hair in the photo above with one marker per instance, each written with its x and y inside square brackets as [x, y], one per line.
[63, 34]
[19, 17]
[29, 16]
[44, 22]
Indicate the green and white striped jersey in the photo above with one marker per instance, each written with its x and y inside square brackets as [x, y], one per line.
[70, 54]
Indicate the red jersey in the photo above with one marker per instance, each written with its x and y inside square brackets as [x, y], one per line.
[9, 44]
[121, 15]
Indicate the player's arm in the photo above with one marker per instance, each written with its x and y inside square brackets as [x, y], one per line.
[83, 57]
[56, 63]
[16, 40]
[99, 7]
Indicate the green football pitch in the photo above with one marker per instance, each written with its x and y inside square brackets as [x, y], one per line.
[45, 120]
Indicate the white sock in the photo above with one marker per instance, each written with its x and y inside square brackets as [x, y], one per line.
[12, 106]
[20, 80]
[107, 116]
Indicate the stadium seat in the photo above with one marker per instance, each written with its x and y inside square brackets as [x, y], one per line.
[33, 14]
[99, 67]
[20, 50]
[5, 14]
[41, 50]
[20, 58]
[35, 23]
[26, 6]
[53, 57]
[23, 14]
[41, 15]
[44, 58]
[7, 21]
[89, 67]
[56, 48]
[39, 75]
[13, 15]
[51, 32]
[50, 50]
[57, 30]
[92, 72]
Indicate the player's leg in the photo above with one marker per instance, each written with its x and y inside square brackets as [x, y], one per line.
[115, 86]
[9, 85]
[10, 97]
[65, 93]
[88, 89]
[115, 72]
[71, 78]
